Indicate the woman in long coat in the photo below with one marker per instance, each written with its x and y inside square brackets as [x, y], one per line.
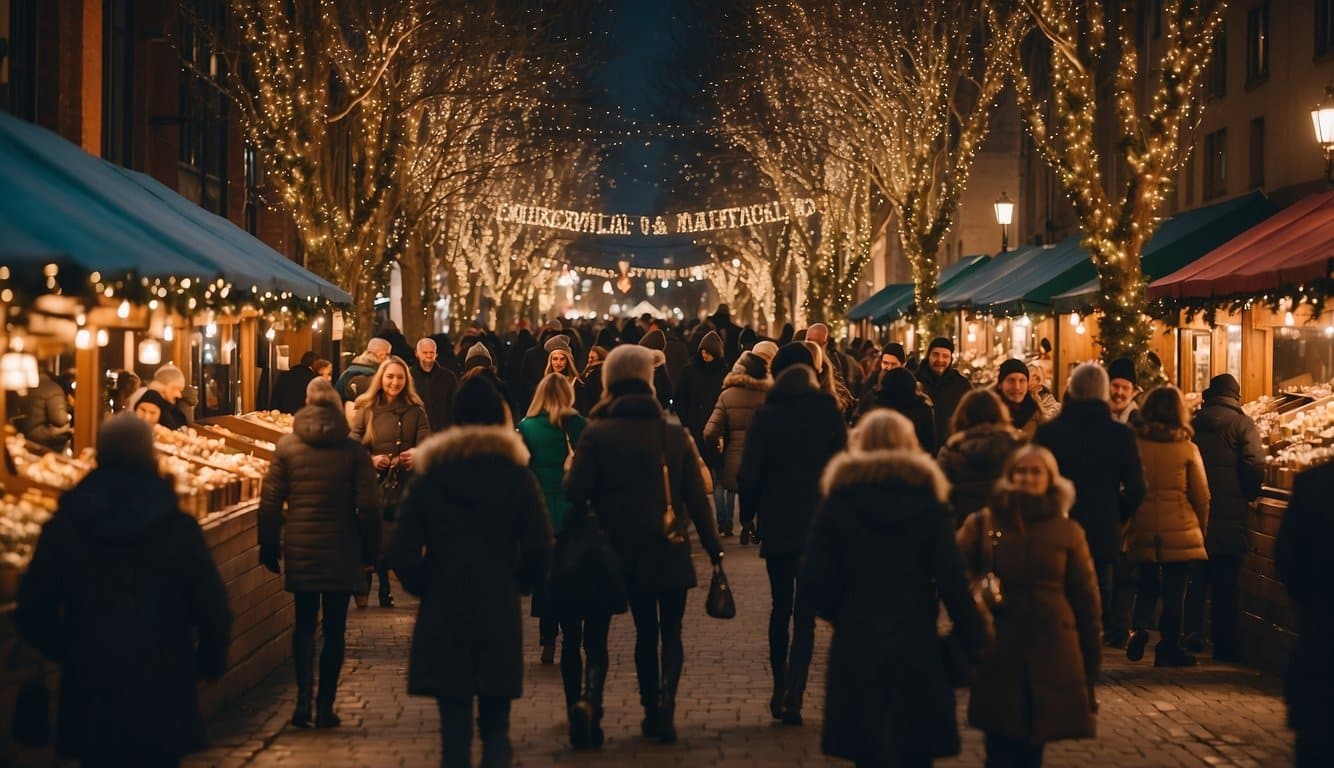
[744, 391]
[1166, 534]
[980, 443]
[319, 508]
[888, 698]
[390, 420]
[472, 536]
[630, 465]
[1036, 685]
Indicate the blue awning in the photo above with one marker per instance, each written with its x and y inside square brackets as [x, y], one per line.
[896, 299]
[961, 294]
[880, 300]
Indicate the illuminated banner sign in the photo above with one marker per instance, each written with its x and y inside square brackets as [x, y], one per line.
[685, 223]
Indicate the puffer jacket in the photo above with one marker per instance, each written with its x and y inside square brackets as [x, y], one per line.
[1234, 462]
[321, 501]
[1170, 523]
[45, 416]
[973, 460]
[742, 395]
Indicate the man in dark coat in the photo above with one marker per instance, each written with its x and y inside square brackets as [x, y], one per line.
[436, 385]
[289, 393]
[701, 383]
[44, 414]
[1101, 458]
[123, 594]
[398, 343]
[523, 341]
[656, 341]
[943, 384]
[472, 537]
[791, 439]
[729, 332]
[678, 355]
[898, 391]
[1302, 556]
[320, 511]
[1234, 462]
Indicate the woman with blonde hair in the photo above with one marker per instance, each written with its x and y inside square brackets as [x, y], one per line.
[829, 383]
[884, 430]
[1036, 684]
[390, 420]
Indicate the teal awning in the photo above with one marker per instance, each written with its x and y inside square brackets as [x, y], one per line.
[896, 299]
[960, 294]
[59, 204]
[1029, 286]
[1180, 240]
[881, 299]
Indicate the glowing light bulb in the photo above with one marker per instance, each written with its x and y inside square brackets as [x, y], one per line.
[123, 311]
[83, 339]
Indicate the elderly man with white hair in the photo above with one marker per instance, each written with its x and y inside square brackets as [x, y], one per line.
[352, 383]
[435, 384]
[1100, 456]
[157, 403]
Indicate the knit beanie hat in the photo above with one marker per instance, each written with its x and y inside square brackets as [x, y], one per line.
[1012, 366]
[557, 342]
[792, 354]
[752, 365]
[125, 441]
[713, 344]
[766, 349]
[1122, 368]
[899, 384]
[478, 350]
[895, 349]
[1223, 385]
[654, 339]
[940, 342]
[628, 362]
[477, 402]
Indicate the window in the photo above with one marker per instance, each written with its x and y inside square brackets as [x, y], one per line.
[1257, 158]
[1324, 27]
[203, 150]
[1215, 164]
[1215, 82]
[117, 53]
[1257, 44]
[18, 57]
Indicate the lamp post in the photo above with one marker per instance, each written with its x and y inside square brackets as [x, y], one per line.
[1322, 120]
[1005, 214]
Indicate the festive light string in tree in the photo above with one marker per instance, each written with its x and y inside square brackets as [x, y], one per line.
[1058, 88]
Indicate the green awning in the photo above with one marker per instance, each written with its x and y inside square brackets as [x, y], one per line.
[960, 294]
[1028, 287]
[1178, 241]
[896, 299]
[873, 305]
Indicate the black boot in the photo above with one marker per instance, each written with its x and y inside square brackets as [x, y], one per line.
[588, 712]
[303, 658]
[780, 687]
[796, 689]
[324, 703]
[671, 678]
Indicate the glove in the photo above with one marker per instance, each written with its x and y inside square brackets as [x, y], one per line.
[269, 560]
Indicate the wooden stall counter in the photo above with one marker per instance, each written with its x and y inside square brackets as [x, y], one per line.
[1268, 621]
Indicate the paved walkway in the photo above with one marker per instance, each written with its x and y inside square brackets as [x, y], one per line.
[1214, 715]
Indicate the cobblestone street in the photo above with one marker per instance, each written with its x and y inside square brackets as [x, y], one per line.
[1215, 715]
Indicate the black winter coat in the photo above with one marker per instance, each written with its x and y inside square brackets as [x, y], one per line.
[1101, 457]
[1302, 556]
[289, 393]
[617, 471]
[437, 389]
[695, 396]
[331, 523]
[1234, 463]
[124, 595]
[973, 460]
[472, 536]
[945, 392]
[44, 414]
[791, 439]
[877, 572]
[917, 410]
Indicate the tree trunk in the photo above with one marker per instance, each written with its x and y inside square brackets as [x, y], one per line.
[931, 322]
[1123, 330]
[410, 265]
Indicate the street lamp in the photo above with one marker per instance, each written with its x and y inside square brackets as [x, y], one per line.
[1005, 214]
[1322, 119]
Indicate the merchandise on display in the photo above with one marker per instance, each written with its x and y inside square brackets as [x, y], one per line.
[1297, 430]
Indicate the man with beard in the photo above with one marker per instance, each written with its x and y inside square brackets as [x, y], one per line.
[943, 384]
[1123, 388]
[1012, 386]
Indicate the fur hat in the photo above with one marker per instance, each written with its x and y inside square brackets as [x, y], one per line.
[752, 365]
[477, 402]
[558, 342]
[895, 349]
[713, 344]
[792, 354]
[1122, 368]
[1012, 366]
[766, 349]
[654, 339]
[1223, 385]
[941, 342]
[628, 362]
[125, 441]
[478, 350]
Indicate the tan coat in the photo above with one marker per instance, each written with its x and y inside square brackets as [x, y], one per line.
[1171, 521]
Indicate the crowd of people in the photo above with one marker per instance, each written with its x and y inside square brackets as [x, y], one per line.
[880, 492]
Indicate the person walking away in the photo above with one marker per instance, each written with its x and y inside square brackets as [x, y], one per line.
[791, 439]
[701, 384]
[944, 385]
[899, 392]
[550, 431]
[560, 360]
[1037, 683]
[472, 538]
[744, 391]
[355, 379]
[123, 594]
[1302, 557]
[656, 341]
[1234, 462]
[1101, 457]
[289, 392]
[976, 453]
[888, 697]
[436, 385]
[390, 421]
[1166, 534]
[1037, 387]
[1013, 387]
[630, 467]
[320, 513]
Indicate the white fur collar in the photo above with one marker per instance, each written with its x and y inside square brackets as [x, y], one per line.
[911, 468]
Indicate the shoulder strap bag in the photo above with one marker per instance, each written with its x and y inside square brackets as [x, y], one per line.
[671, 525]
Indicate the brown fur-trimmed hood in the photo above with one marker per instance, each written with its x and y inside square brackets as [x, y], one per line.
[470, 442]
[748, 382]
[908, 469]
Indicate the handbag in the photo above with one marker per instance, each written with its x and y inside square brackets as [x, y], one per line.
[586, 574]
[988, 597]
[392, 482]
[720, 604]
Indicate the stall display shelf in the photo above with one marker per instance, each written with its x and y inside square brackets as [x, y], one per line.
[1297, 431]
